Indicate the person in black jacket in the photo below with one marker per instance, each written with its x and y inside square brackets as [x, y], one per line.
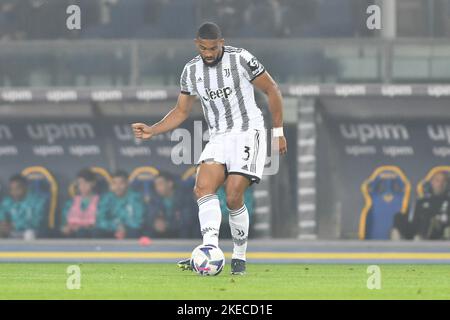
[431, 214]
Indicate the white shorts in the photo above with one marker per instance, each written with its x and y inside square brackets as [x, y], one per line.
[242, 152]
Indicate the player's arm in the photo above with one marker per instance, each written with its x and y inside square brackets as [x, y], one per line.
[172, 120]
[266, 84]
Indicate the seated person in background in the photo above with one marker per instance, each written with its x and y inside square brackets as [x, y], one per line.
[431, 214]
[190, 224]
[165, 216]
[21, 212]
[80, 213]
[121, 210]
[225, 230]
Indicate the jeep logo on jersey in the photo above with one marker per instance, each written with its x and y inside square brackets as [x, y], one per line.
[222, 93]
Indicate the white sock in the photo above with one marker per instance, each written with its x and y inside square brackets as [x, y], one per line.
[210, 218]
[239, 222]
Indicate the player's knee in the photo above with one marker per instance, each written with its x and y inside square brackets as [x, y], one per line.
[201, 190]
[235, 200]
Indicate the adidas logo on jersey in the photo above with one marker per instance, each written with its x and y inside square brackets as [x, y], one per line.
[222, 93]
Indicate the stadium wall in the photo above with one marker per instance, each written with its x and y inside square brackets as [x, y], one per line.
[348, 133]
[347, 130]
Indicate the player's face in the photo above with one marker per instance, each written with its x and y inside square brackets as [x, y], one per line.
[119, 186]
[210, 50]
[17, 191]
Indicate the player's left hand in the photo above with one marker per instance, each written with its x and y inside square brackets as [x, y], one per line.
[282, 145]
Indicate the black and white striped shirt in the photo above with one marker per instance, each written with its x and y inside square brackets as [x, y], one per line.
[225, 90]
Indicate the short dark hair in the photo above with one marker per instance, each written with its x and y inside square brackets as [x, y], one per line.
[209, 31]
[121, 174]
[166, 176]
[87, 175]
[19, 179]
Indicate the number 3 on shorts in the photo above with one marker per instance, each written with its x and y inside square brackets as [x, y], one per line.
[247, 152]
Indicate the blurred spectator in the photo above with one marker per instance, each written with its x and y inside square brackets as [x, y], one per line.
[152, 10]
[42, 19]
[13, 17]
[431, 214]
[189, 213]
[296, 15]
[21, 212]
[225, 231]
[80, 213]
[121, 210]
[171, 210]
[260, 19]
[230, 16]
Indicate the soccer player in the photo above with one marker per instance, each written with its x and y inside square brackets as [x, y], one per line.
[222, 77]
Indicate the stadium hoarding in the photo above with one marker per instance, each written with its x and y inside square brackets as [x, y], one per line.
[146, 94]
[56, 142]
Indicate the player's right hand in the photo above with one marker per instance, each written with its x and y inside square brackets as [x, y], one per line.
[142, 131]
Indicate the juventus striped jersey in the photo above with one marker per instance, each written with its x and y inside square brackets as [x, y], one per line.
[225, 90]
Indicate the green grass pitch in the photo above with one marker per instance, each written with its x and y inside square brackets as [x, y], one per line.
[263, 281]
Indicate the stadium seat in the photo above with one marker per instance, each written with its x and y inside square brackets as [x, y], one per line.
[43, 183]
[423, 187]
[103, 181]
[188, 177]
[386, 192]
[141, 180]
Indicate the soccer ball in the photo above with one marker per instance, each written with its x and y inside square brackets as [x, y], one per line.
[207, 260]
